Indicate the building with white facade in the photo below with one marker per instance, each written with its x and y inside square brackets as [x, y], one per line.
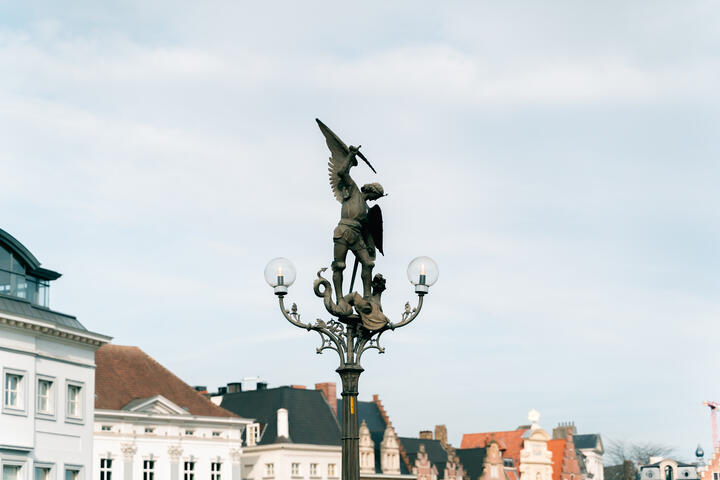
[297, 435]
[48, 375]
[666, 469]
[150, 425]
[535, 458]
[590, 446]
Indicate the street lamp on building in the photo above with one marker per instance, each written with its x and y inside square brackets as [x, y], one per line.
[358, 319]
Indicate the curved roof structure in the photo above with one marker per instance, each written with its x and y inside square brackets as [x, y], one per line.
[23, 254]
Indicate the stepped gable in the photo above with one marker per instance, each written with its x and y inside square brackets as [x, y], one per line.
[377, 420]
[311, 420]
[124, 374]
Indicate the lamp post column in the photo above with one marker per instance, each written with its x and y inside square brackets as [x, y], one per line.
[350, 376]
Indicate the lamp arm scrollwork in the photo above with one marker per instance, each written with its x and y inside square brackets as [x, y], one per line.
[408, 315]
[330, 333]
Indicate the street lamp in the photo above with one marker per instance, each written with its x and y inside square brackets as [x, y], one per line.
[358, 320]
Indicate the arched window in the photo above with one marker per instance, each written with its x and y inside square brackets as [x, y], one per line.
[669, 473]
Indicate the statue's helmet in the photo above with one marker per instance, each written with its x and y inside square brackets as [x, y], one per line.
[374, 190]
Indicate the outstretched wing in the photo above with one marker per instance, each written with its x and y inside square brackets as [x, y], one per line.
[338, 160]
[375, 227]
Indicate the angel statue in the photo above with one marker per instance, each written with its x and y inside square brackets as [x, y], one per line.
[360, 227]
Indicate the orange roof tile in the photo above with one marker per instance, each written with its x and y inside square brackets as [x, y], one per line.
[510, 441]
[125, 373]
[557, 447]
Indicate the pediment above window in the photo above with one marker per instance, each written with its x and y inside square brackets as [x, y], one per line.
[157, 405]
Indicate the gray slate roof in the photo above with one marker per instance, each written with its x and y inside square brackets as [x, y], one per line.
[23, 308]
[472, 460]
[588, 440]
[309, 416]
[436, 454]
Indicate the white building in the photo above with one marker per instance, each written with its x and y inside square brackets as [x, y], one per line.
[591, 447]
[535, 458]
[150, 425]
[48, 381]
[297, 435]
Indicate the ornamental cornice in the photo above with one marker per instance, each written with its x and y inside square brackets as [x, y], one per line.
[53, 330]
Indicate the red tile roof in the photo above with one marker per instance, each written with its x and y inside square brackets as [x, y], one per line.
[125, 373]
[511, 442]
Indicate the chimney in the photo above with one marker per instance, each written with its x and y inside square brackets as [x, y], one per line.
[441, 434]
[283, 427]
[234, 387]
[298, 387]
[222, 391]
[564, 429]
[261, 386]
[426, 435]
[329, 391]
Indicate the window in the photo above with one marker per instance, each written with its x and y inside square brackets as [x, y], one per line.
[668, 473]
[74, 401]
[106, 428]
[45, 402]
[72, 474]
[42, 473]
[331, 470]
[13, 391]
[189, 432]
[148, 469]
[216, 434]
[215, 470]
[313, 470]
[11, 472]
[105, 469]
[149, 430]
[295, 469]
[189, 471]
[252, 434]
[269, 469]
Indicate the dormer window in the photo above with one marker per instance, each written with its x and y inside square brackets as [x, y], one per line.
[17, 281]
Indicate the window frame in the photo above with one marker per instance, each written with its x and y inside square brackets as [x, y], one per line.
[73, 468]
[295, 469]
[313, 470]
[52, 397]
[332, 474]
[189, 473]
[148, 471]
[270, 470]
[107, 469]
[215, 474]
[22, 392]
[44, 466]
[72, 418]
[12, 462]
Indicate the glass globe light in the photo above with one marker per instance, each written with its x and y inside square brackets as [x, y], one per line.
[280, 274]
[423, 273]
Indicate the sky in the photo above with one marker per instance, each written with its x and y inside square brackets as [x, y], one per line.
[558, 160]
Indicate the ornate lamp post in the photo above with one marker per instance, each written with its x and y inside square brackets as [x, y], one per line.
[358, 320]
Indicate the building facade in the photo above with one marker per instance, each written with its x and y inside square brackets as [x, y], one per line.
[151, 425]
[296, 434]
[48, 379]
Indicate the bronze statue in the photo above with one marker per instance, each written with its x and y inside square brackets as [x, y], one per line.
[360, 227]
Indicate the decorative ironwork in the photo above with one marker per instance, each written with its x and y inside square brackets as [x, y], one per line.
[358, 320]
